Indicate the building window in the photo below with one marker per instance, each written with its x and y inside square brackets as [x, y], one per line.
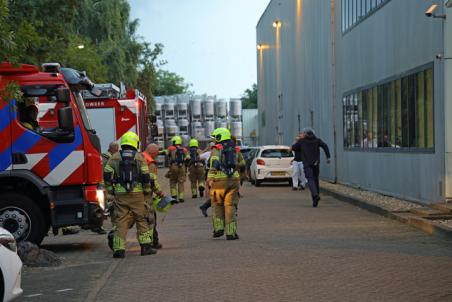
[354, 11]
[396, 114]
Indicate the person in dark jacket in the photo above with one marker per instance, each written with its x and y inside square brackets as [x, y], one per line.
[309, 147]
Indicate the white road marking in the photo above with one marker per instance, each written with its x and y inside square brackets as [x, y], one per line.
[63, 290]
[34, 295]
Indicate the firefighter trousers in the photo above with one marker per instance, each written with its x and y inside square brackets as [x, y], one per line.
[224, 196]
[197, 178]
[130, 208]
[177, 176]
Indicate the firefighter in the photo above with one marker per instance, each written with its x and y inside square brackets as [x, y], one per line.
[113, 147]
[196, 169]
[178, 159]
[223, 180]
[151, 152]
[30, 116]
[127, 177]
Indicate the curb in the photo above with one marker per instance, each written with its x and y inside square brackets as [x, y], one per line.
[430, 227]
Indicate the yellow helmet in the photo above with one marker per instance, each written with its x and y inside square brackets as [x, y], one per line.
[176, 140]
[193, 143]
[220, 134]
[130, 139]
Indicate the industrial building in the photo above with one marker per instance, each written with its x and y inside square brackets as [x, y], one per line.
[370, 76]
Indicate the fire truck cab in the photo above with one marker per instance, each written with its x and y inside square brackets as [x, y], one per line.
[50, 163]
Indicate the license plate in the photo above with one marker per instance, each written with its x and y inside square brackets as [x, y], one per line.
[278, 173]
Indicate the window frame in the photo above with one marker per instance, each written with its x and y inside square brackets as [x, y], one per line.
[369, 89]
[351, 15]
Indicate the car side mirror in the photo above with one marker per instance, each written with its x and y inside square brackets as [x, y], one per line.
[63, 95]
[65, 119]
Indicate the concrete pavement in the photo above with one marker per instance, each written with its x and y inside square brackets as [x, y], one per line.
[288, 251]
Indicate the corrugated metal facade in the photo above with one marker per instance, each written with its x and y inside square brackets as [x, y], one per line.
[250, 126]
[306, 67]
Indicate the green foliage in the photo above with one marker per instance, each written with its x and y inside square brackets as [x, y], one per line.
[249, 98]
[52, 30]
[169, 83]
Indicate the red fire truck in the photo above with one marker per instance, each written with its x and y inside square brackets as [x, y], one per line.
[50, 163]
[114, 112]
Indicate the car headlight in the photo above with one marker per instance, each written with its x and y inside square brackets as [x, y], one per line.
[100, 196]
[8, 241]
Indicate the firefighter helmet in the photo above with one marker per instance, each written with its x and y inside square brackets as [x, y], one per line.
[176, 140]
[130, 139]
[220, 134]
[193, 143]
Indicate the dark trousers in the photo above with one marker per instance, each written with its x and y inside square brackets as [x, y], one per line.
[206, 204]
[312, 174]
[156, 234]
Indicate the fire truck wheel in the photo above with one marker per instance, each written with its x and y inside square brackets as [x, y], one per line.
[22, 217]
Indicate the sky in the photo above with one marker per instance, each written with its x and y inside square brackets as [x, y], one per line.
[211, 43]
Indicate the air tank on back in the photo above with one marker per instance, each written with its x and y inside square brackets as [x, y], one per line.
[208, 108]
[235, 108]
[209, 126]
[221, 110]
[195, 108]
[236, 129]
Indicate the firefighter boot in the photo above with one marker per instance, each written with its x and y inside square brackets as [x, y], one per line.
[232, 237]
[119, 254]
[201, 191]
[217, 234]
[110, 236]
[146, 249]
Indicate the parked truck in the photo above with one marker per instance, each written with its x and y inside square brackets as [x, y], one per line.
[114, 112]
[49, 173]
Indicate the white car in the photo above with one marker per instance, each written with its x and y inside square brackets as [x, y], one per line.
[10, 267]
[272, 164]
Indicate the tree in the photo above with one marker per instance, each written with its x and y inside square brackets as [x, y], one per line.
[249, 98]
[53, 30]
[169, 83]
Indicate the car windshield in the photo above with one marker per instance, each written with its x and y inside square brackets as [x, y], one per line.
[276, 153]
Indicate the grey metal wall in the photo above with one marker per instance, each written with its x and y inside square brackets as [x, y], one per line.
[295, 73]
[303, 70]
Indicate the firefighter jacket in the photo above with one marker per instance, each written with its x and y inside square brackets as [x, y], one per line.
[113, 182]
[216, 171]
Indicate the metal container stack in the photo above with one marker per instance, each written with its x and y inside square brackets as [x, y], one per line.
[196, 116]
[235, 117]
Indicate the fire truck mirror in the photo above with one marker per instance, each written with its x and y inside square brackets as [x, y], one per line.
[65, 119]
[63, 95]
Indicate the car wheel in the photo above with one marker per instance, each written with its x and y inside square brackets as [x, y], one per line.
[258, 182]
[22, 217]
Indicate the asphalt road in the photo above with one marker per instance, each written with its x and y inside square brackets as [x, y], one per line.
[288, 251]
